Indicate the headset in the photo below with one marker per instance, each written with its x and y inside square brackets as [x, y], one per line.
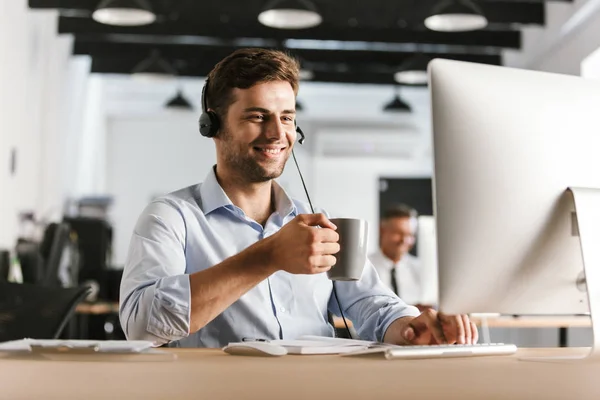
[210, 124]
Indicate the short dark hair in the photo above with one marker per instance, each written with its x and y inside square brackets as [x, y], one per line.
[245, 68]
[399, 211]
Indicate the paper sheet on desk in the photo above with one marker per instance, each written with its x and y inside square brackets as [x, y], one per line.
[100, 346]
[322, 345]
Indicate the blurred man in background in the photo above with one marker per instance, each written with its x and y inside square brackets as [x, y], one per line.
[397, 268]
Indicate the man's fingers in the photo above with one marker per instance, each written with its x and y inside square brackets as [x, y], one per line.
[434, 325]
[453, 328]
[329, 248]
[317, 220]
[474, 332]
[322, 261]
[444, 329]
[467, 328]
[327, 236]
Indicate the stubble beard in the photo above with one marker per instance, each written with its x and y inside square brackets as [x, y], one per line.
[246, 167]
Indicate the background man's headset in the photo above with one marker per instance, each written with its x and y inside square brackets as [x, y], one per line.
[210, 124]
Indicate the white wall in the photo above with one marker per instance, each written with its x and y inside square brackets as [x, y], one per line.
[14, 130]
[571, 33]
[567, 55]
[590, 66]
[39, 88]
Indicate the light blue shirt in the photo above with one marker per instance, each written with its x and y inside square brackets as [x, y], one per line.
[196, 228]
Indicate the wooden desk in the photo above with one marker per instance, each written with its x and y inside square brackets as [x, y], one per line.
[212, 374]
[84, 311]
[517, 322]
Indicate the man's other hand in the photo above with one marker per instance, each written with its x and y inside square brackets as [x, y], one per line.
[432, 327]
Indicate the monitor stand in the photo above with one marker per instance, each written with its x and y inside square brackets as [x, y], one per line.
[587, 211]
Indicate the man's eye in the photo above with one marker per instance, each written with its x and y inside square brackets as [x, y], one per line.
[258, 117]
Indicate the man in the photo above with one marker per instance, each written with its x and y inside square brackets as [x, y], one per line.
[396, 267]
[234, 257]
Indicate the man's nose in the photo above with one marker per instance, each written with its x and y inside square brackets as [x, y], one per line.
[275, 129]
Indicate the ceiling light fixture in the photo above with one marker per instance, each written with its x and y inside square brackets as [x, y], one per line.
[411, 77]
[179, 102]
[397, 104]
[456, 16]
[290, 14]
[413, 71]
[124, 13]
[305, 74]
[154, 67]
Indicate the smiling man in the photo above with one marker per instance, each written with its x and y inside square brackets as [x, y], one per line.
[235, 257]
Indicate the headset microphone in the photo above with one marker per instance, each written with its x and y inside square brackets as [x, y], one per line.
[299, 131]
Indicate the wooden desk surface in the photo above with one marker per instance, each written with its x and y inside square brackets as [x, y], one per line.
[212, 374]
[518, 322]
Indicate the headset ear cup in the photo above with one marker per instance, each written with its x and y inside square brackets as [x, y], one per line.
[209, 124]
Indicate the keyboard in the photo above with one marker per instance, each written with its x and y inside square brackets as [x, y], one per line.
[436, 351]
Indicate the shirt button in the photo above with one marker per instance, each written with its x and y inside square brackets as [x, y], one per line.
[282, 309]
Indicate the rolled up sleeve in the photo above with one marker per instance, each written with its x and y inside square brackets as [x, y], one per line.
[155, 289]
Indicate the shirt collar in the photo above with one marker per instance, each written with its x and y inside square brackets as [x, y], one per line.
[389, 264]
[213, 196]
[284, 205]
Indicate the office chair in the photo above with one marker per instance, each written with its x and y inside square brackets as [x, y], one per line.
[31, 261]
[36, 311]
[94, 243]
[4, 264]
[54, 243]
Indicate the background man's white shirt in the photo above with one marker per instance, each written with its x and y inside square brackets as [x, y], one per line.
[408, 275]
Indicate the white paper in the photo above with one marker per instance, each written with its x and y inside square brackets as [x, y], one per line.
[104, 346]
[337, 341]
[322, 345]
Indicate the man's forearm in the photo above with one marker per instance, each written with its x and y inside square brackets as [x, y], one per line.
[216, 288]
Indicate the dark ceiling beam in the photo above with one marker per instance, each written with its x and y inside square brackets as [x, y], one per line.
[91, 4]
[240, 13]
[123, 66]
[195, 51]
[485, 38]
[338, 68]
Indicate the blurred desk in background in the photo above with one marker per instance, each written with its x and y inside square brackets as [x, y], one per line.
[98, 308]
[562, 323]
[97, 320]
[508, 321]
[516, 322]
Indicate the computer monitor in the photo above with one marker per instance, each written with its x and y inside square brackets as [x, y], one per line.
[427, 253]
[508, 144]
